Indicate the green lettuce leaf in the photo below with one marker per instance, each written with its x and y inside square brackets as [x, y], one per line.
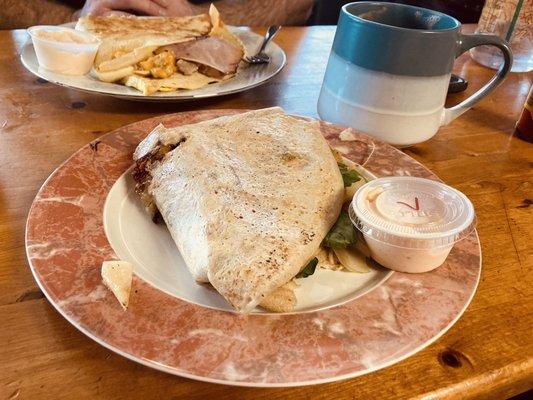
[349, 176]
[309, 269]
[342, 234]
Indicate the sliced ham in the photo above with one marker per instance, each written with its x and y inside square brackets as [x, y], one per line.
[186, 67]
[211, 51]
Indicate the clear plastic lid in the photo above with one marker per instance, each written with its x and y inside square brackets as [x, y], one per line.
[412, 212]
[73, 40]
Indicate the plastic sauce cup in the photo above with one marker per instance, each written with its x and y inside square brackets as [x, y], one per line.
[411, 224]
[64, 50]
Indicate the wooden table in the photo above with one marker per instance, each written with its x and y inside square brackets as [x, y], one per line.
[487, 354]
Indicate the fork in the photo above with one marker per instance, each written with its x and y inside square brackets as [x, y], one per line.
[261, 57]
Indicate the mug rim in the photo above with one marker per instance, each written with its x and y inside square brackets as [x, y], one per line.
[399, 28]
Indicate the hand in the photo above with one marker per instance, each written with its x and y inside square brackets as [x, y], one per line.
[103, 7]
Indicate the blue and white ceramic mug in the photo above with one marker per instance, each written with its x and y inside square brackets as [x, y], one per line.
[389, 70]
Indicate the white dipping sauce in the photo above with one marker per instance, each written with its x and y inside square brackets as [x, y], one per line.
[64, 50]
[411, 224]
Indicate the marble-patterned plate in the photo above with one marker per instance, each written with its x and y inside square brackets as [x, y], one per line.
[66, 244]
[247, 77]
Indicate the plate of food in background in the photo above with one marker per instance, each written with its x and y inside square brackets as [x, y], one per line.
[150, 58]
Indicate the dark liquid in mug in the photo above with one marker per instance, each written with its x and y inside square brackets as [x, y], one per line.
[404, 18]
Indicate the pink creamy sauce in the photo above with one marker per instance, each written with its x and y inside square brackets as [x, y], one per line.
[411, 224]
[65, 36]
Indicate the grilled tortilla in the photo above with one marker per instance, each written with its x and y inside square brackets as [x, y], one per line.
[128, 33]
[247, 199]
[132, 47]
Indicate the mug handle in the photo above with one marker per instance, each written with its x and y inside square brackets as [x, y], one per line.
[464, 43]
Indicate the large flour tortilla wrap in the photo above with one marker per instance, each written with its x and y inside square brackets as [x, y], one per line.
[247, 198]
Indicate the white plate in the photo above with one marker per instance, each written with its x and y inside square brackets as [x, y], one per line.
[156, 259]
[246, 78]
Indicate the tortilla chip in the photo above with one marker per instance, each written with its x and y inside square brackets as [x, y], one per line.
[126, 60]
[113, 76]
[283, 299]
[178, 81]
[220, 30]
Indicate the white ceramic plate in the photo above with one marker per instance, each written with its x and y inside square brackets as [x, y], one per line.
[246, 78]
[156, 259]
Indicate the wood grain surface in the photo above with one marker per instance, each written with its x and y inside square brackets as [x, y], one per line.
[488, 354]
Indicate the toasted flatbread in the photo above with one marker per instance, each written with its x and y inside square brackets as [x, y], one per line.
[128, 26]
[130, 33]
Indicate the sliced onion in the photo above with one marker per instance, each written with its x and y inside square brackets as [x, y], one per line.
[349, 192]
[349, 163]
[352, 259]
[361, 245]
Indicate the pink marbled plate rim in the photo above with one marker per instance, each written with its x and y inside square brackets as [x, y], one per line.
[66, 243]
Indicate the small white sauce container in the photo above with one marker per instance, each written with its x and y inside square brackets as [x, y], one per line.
[57, 52]
[411, 224]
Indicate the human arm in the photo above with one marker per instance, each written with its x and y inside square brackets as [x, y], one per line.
[145, 7]
[249, 12]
